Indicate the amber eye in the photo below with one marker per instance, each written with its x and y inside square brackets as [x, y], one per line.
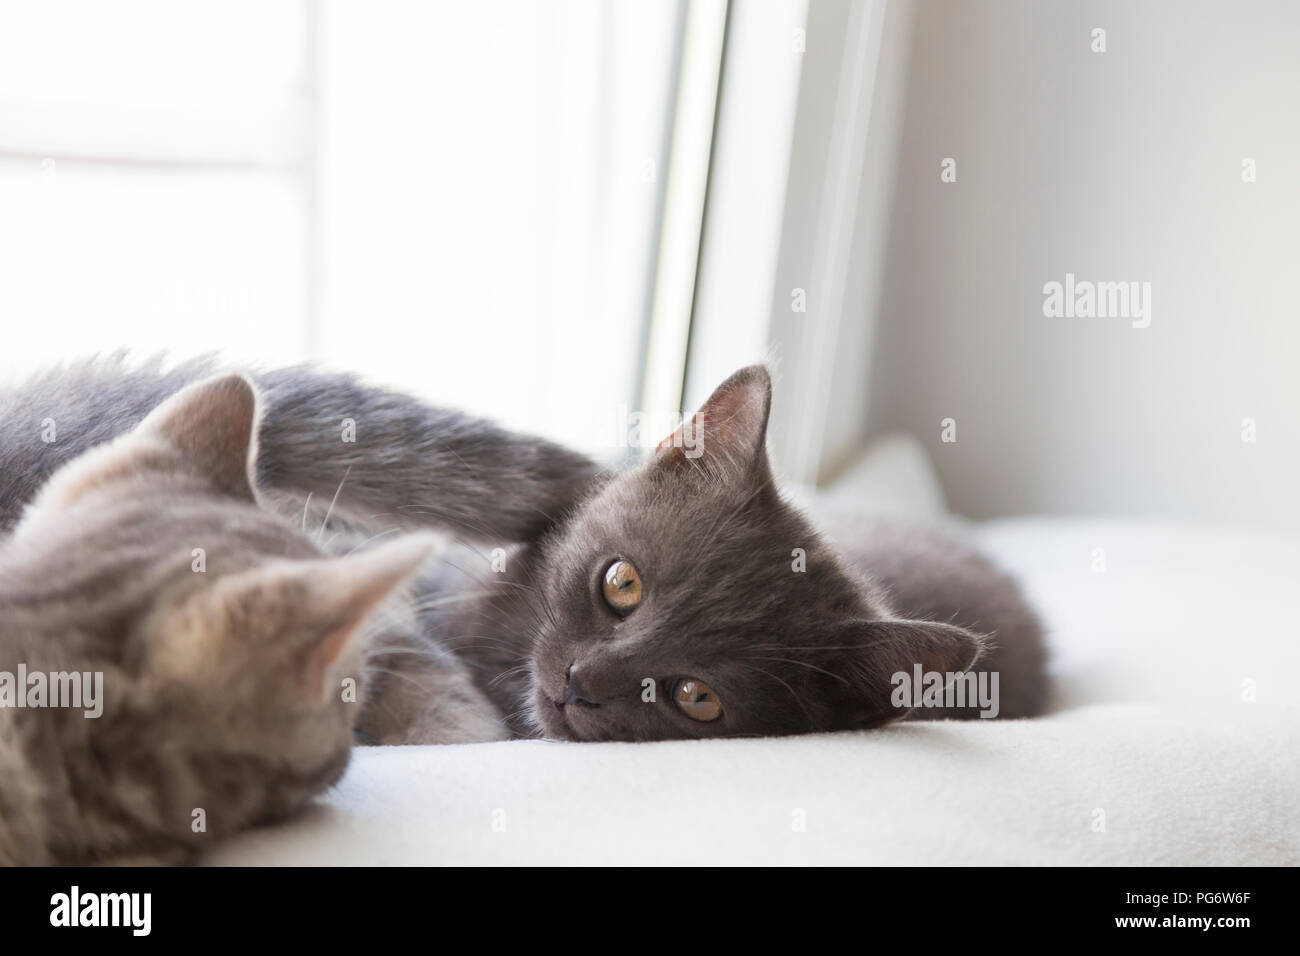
[696, 700]
[622, 586]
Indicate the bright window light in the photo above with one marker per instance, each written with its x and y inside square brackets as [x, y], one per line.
[458, 198]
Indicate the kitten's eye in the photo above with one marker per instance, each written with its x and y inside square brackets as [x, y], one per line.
[622, 587]
[696, 700]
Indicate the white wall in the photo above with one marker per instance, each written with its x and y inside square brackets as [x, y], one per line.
[1123, 165]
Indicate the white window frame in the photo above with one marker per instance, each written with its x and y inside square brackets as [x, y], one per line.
[760, 244]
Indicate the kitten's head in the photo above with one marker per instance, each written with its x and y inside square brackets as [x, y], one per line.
[687, 599]
[224, 636]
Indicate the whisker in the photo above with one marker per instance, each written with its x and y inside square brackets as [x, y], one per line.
[811, 667]
[330, 510]
[369, 539]
[797, 699]
[508, 674]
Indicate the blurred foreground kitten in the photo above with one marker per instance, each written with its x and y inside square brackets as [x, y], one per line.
[683, 597]
[181, 650]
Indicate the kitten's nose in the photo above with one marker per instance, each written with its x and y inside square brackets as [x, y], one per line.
[574, 692]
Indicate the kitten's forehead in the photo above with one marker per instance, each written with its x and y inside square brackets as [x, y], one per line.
[670, 508]
[713, 561]
[666, 519]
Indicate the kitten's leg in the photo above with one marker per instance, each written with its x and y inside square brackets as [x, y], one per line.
[392, 459]
[418, 693]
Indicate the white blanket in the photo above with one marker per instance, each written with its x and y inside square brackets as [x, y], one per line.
[1175, 739]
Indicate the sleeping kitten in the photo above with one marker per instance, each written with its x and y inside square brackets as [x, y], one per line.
[214, 639]
[666, 601]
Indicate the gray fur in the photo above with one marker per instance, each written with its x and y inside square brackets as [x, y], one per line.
[411, 464]
[220, 680]
[789, 651]
[934, 573]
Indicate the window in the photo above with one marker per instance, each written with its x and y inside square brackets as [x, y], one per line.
[460, 199]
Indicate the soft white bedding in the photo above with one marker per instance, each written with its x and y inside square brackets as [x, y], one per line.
[1155, 737]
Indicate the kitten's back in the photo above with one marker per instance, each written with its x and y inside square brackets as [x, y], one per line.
[936, 573]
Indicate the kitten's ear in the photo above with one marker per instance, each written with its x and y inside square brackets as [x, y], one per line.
[886, 648]
[728, 435]
[207, 429]
[313, 612]
[212, 424]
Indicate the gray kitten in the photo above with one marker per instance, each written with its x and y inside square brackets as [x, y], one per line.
[666, 601]
[672, 603]
[218, 637]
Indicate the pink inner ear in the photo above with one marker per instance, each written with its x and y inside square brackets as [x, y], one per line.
[729, 427]
[212, 425]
